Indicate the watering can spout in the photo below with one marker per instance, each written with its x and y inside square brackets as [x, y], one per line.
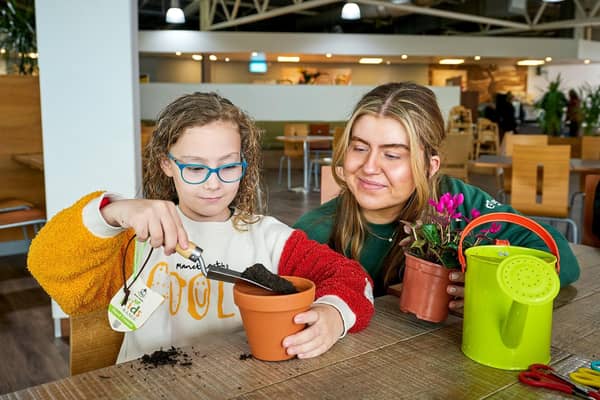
[514, 324]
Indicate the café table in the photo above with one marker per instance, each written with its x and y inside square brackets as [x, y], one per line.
[305, 140]
[31, 160]
[576, 164]
[396, 357]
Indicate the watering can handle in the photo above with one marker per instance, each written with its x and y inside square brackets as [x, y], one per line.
[516, 219]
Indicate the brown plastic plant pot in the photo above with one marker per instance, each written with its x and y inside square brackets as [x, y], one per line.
[269, 317]
[424, 289]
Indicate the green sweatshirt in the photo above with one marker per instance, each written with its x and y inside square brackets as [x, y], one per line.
[318, 225]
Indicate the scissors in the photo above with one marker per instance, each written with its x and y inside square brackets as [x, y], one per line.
[544, 376]
[587, 377]
[595, 365]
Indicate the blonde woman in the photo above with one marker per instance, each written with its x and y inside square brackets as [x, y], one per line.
[389, 154]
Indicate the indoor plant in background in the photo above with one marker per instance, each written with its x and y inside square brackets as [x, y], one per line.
[431, 253]
[17, 36]
[590, 107]
[552, 104]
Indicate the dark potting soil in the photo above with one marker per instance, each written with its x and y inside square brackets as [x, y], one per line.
[262, 275]
[171, 356]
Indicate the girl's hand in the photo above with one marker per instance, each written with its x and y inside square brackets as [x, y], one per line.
[458, 291]
[325, 328]
[156, 220]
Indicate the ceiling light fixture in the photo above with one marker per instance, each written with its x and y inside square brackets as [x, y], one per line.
[197, 57]
[477, 58]
[212, 57]
[226, 59]
[288, 59]
[452, 61]
[328, 55]
[177, 53]
[548, 59]
[351, 11]
[370, 60]
[404, 56]
[530, 63]
[586, 61]
[175, 14]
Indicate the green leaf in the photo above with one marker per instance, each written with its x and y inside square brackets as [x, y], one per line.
[431, 234]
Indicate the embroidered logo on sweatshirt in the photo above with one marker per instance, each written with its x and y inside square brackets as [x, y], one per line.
[491, 204]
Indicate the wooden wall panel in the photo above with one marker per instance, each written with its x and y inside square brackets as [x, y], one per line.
[20, 132]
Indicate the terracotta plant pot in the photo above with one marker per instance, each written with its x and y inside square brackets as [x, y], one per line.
[269, 317]
[424, 289]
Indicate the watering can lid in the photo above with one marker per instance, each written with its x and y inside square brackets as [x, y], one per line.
[527, 279]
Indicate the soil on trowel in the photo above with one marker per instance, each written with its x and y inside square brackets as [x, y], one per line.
[262, 275]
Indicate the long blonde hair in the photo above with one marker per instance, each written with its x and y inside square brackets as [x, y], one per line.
[416, 108]
[199, 109]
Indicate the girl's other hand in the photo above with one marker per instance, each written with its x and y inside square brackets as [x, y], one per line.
[325, 328]
[156, 220]
[458, 291]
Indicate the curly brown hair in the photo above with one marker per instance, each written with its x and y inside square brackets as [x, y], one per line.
[199, 109]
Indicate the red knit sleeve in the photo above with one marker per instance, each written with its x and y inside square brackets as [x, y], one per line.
[332, 273]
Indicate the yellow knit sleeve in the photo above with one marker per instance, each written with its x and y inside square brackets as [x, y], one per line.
[79, 270]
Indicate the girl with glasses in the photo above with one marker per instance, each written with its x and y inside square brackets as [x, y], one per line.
[201, 184]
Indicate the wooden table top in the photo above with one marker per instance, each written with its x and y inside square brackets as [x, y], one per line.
[32, 160]
[576, 164]
[396, 357]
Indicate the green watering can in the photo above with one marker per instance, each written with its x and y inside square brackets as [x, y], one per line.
[508, 298]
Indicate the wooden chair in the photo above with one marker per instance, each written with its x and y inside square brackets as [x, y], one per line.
[319, 149]
[591, 211]
[329, 187]
[316, 163]
[93, 344]
[503, 176]
[15, 213]
[291, 150]
[488, 139]
[455, 155]
[548, 167]
[460, 120]
[590, 148]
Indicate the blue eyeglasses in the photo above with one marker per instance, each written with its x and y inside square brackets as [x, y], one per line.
[195, 174]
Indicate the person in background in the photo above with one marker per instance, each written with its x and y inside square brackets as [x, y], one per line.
[201, 179]
[388, 169]
[574, 113]
[505, 110]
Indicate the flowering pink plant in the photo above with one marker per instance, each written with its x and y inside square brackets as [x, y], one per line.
[435, 237]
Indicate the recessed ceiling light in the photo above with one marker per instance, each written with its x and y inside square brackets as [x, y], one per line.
[226, 59]
[254, 54]
[288, 58]
[452, 61]
[586, 61]
[197, 57]
[477, 58]
[404, 56]
[370, 60]
[530, 63]
[177, 53]
[212, 57]
[328, 55]
[351, 11]
[548, 59]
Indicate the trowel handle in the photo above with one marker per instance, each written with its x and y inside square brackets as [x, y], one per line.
[193, 253]
[515, 219]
